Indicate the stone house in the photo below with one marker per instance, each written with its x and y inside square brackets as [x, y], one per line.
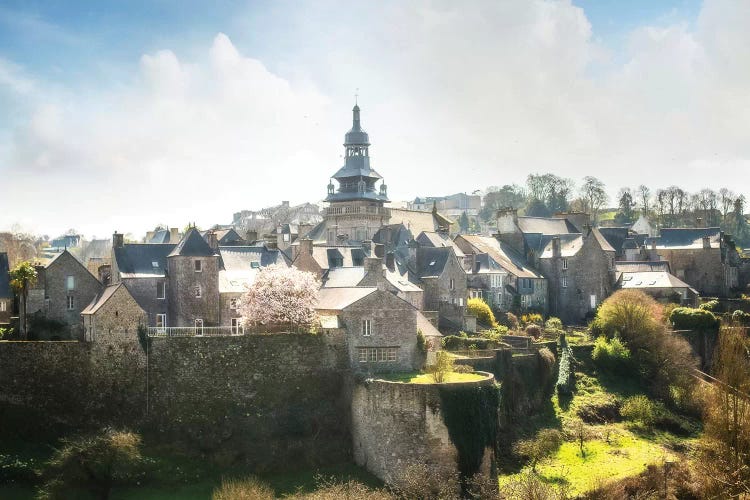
[502, 275]
[628, 245]
[576, 259]
[193, 282]
[6, 293]
[661, 285]
[381, 329]
[444, 283]
[704, 258]
[113, 312]
[320, 258]
[63, 289]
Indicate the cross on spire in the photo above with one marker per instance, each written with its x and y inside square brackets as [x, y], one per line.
[356, 96]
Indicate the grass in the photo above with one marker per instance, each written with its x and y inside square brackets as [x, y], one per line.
[426, 378]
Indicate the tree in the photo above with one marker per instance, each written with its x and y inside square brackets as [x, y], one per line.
[593, 196]
[444, 363]
[463, 222]
[626, 212]
[508, 196]
[281, 296]
[95, 463]
[547, 194]
[22, 278]
[644, 196]
[545, 444]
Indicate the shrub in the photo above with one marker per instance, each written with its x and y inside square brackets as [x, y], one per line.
[463, 369]
[630, 313]
[243, 489]
[421, 342]
[553, 324]
[741, 317]
[711, 305]
[512, 321]
[687, 318]
[545, 444]
[533, 330]
[611, 355]
[482, 311]
[565, 377]
[419, 481]
[642, 410]
[456, 343]
[95, 463]
[444, 364]
[529, 318]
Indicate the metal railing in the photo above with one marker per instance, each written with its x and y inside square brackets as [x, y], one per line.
[356, 210]
[195, 331]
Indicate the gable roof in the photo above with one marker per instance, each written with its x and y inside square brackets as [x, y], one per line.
[393, 236]
[103, 296]
[683, 238]
[651, 279]
[337, 299]
[603, 243]
[328, 257]
[616, 236]
[344, 277]
[75, 260]
[546, 225]
[136, 260]
[437, 239]
[5, 290]
[427, 328]
[192, 245]
[503, 254]
[642, 266]
[431, 261]
[417, 221]
[161, 236]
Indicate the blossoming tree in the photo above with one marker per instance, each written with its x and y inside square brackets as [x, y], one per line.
[280, 296]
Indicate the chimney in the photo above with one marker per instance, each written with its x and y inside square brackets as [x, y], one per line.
[252, 236]
[117, 240]
[212, 240]
[149, 236]
[303, 229]
[706, 242]
[379, 250]
[174, 235]
[652, 254]
[413, 248]
[556, 252]
[374, 269]
[507, 221]
[306, 246]
[390, 261]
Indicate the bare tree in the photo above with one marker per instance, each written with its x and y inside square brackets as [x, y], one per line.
[644, 196]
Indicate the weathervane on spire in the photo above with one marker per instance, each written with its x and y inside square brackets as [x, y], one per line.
[356, 96]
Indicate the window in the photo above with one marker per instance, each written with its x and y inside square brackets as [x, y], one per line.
[461, 301]
[285, 236]
[453, 284]
[592, 298]
[198, 266]
[565, 263]
[198, 292]
[70, 282]
[496, 281]
[366, 327]
[3, 306]
[236, 327]
[161, 321]
[199, 326]
[234, 304]
[564, 281]
[161, 290]
[71, 303]
[377, 354]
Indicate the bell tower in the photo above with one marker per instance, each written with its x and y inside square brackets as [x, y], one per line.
[356, 209]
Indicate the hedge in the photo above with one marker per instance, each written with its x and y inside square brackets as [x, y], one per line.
[687, 318]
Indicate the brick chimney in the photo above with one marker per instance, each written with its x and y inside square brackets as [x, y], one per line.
[306, 246]
[508, 230]
[374, 273]
[174, 235]
[117, 240]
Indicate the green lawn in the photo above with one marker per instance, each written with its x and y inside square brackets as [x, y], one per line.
[426, 378]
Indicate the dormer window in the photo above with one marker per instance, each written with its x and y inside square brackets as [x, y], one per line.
[154, 264]
[198, 266]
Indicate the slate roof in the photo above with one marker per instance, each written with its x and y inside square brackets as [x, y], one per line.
[503, 254]
[326, 256]
[484, 264]
[686, 238]
[337, 299]
[241, 265]
[603, 243]
[136, 260]
[642, 266]
[435, 239]
[616, 236]
[417, 221]
[161, 236]
[344, 277]
[546, 225]
[432, 261]
[651, 279]
[427, 328]
[102, 298]
[5, 291]
[570, 244]
[393, 236]
[192, 245]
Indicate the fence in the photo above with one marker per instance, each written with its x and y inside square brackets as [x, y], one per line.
[196, 331]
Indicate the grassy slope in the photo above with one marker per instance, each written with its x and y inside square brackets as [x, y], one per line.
[426, 378]
[628, 451]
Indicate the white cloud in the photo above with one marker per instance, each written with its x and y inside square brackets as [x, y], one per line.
[456, 96]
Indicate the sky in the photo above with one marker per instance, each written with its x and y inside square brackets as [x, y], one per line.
[125, 115]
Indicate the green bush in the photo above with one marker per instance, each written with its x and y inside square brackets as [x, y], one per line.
[687, 318]
[444, 364]
[457, 343]
[482, 311]
[553, 324]
[545, 444]
[421, 342]
[642, 410]
[565, 378]
[711, 305]
[611, 355]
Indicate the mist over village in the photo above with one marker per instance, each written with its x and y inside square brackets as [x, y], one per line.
[389, 250]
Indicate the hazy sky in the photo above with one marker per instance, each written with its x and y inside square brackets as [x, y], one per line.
[122, 115]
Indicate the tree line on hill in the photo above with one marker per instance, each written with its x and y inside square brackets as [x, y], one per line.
[545, 194]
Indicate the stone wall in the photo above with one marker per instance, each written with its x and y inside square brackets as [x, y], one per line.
[701, 268]
[120, 316]
[395, 424]
[144, 291]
